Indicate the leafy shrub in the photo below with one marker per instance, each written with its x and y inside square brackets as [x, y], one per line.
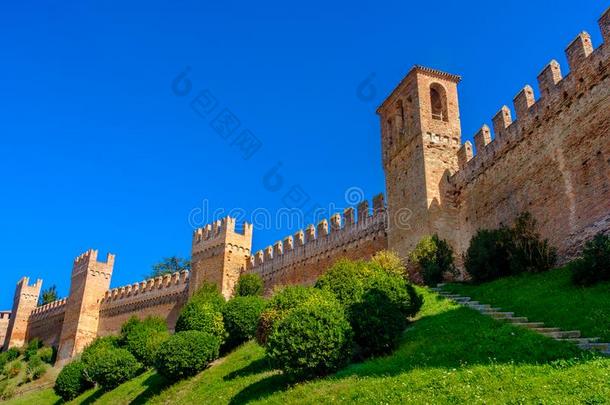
[7, 391]
[594, 265]
[280, 303]
[127, 327]
[99, 345]
[433, 258]
[312, 339]
[109, 367]
[47, 354]
[3, 361]
[35, 368]
[249, 285]
[32, 348]
[201, 316]
[13, 369]
[488, 256]
[12, 354]
[143, 338]
[71, 381]
[529, 252]
[208, 293]
[378, 324]
[241, 316]
[390, 262]
[186, 353]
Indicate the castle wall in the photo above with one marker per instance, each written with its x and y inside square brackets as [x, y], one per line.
[24, 302]
[4, 319]
[553, 161]
[161, 296]
[46, 322]
[306, 256]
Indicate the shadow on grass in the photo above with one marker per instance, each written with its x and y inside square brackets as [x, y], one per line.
[261, 389]
[91, 399]
[256, 367]
[154, 385]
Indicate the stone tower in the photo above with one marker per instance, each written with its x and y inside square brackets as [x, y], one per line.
[90, 281]
[24, 302]
[219, 255]
[420, 135]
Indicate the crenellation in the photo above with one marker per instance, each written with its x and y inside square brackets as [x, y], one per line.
[310, 233]
[578, 50]
[363, 210]
[548, 78]
[523, 101]
[501, 121]
[464, 154]
[322, 229]
[348, 217]
[482, 138]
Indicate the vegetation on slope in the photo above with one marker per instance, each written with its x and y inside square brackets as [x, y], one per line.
[451, 354]
[549, 297]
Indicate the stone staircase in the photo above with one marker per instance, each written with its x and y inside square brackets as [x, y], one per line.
[573, 336]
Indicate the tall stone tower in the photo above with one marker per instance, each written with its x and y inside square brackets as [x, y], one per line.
[219, 254]
[420, 136]
[24, 302]
[90, 281]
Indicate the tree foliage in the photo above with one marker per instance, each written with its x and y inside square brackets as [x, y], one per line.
[169, 265]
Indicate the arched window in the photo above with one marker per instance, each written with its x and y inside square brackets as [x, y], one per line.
[438, 102]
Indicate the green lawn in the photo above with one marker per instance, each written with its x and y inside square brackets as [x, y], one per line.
[450, 355]
[550, 298]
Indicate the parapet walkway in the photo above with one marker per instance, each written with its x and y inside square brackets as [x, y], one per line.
[573, 336]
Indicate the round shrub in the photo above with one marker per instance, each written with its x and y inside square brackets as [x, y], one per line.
[203, 317]
[390, 262]
[100, 344]
[378, 324]
[594, 265]
[209, 294]
[488, 256]
[281, 302]
[249, 285]
[12, 354]
[71, 381]
[110, 367]
[187, 353]
[312, 339]
[47, 355]
[433, 258]
[241, 316]
[32, 348]
[143, 339]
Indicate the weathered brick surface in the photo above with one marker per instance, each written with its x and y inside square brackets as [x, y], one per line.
[24, 302]
[4, 319]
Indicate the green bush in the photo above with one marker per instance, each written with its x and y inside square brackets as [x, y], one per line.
[241, 316]
[434, 259]
[186, 353]
[594, 265]
[280, 303]
[3, 361]
[35, 368]
[208, 293]
[488, 256]
[109, 367]
[143, 338]
[7, 391]
[100, 344]
[47, 354]
[131, 323]
[312, 339]
[12, 354]
[249, 285]
[32, 348]
[390, 262]
[71, 381]
[12, 370]
[378, 325]
[529, 252]
[201, 316]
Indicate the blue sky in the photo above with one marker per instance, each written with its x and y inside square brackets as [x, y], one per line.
[98, 150]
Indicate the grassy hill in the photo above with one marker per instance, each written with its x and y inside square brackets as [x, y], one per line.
[451, 354]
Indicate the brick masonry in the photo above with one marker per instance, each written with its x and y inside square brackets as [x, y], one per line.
[552, 160]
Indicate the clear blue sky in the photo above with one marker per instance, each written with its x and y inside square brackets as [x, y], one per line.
[98, 151]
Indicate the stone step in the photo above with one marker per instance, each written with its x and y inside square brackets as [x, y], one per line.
[499, 315]
[440, 285]
[530, 325]
[471, 303]
[579, 341]
[599, 347]
[517, 319]
[435, 289]
[564, 334]
[546, 330]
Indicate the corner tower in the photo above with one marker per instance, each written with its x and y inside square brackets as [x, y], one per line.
[24, 302]
[219, 255]
[420, 137]
[90, 281]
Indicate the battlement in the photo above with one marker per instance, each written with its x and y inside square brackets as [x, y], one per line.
[50, 309]
[25, 290]
[90, 256]
[221, 232]
[5, 315]
[589, 68]
[340, 231]
[177, 281]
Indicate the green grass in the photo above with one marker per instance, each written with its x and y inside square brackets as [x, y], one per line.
[450, 355]
[550, 298]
